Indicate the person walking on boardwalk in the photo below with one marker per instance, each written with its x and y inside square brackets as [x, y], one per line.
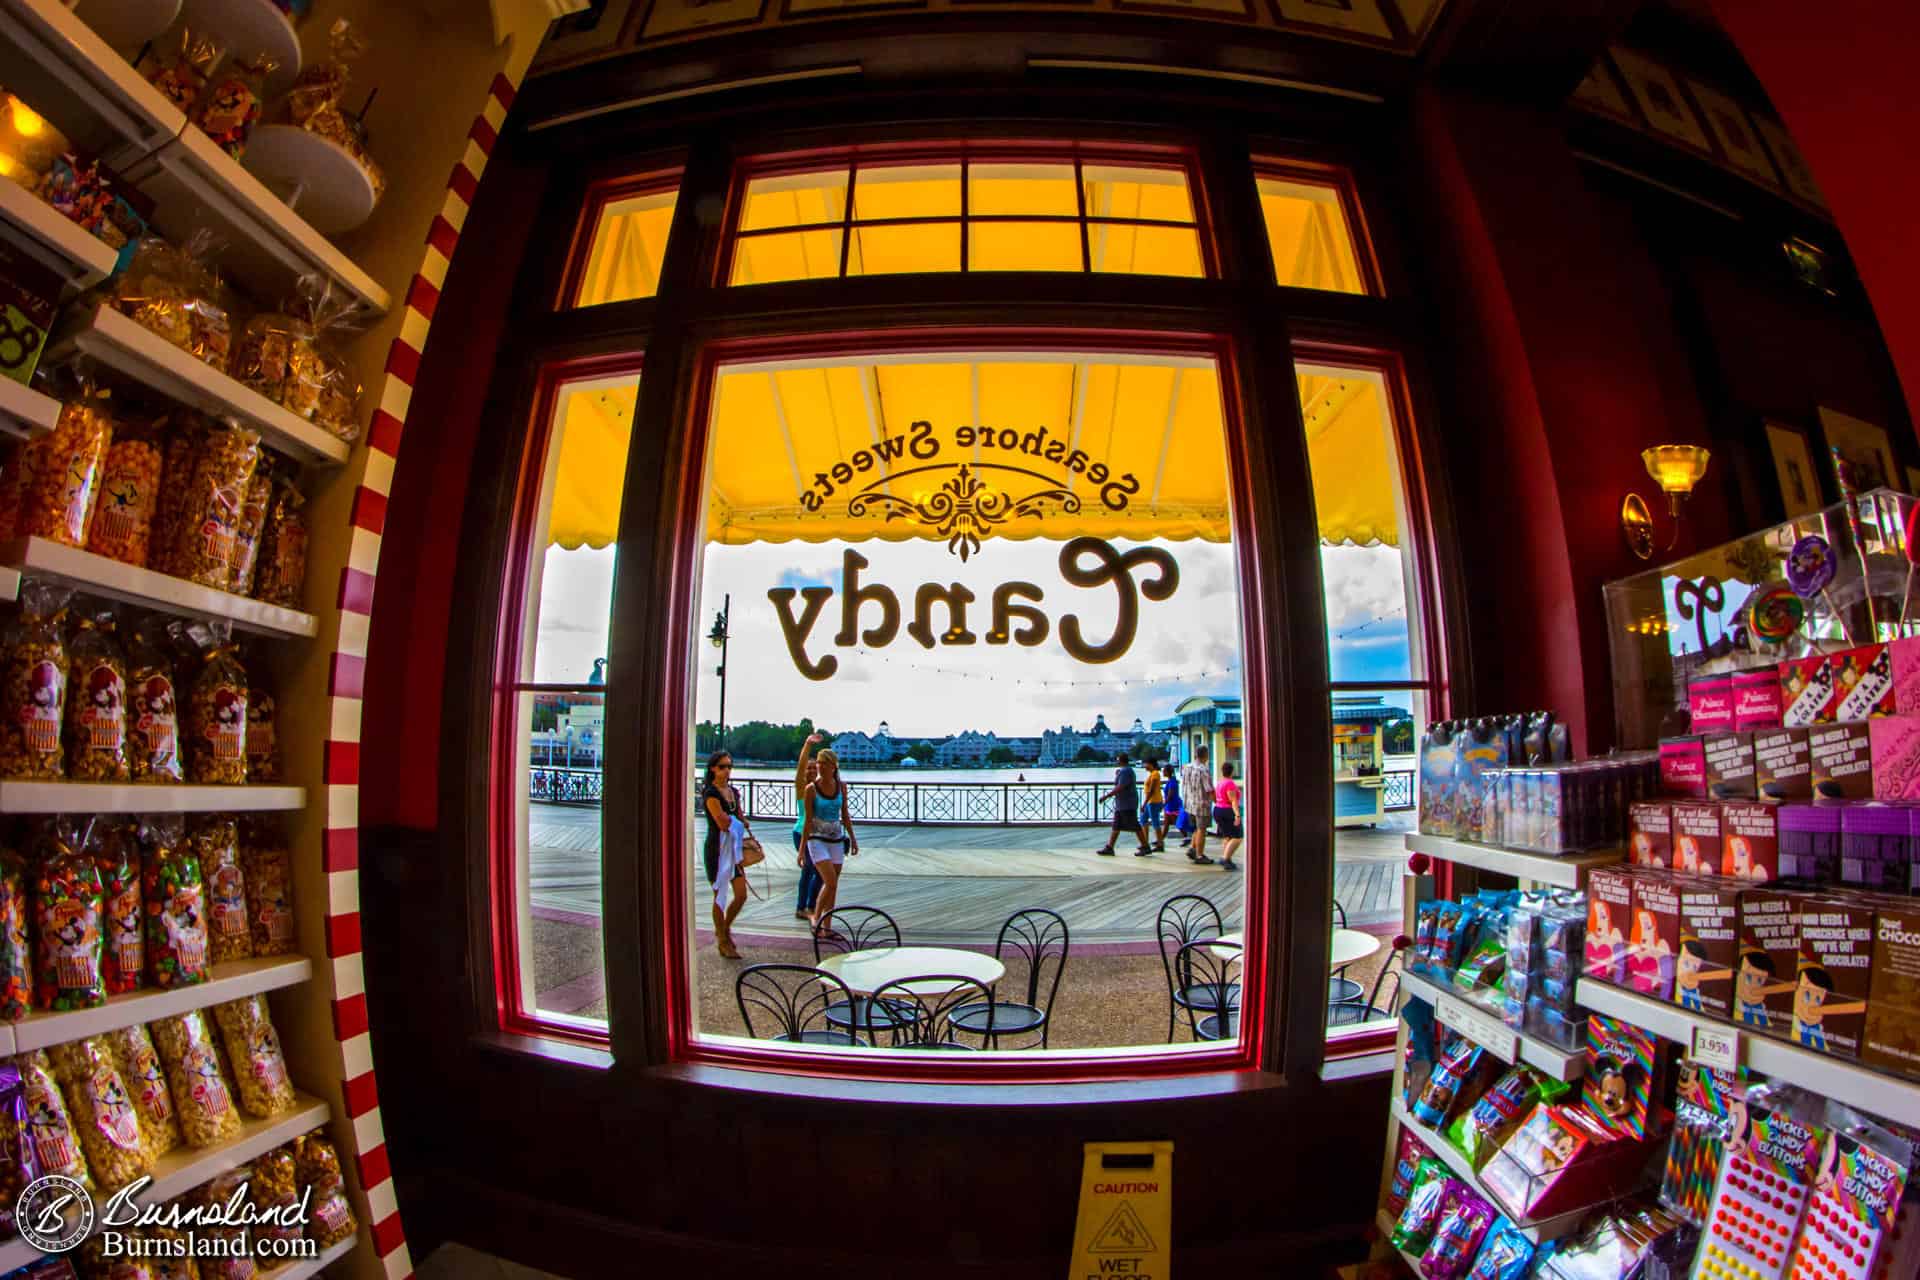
[803, 773]
[829, 833]
[726, 836]
[1170, 811]
[1151, 809]
[1126, 810]
[1196, 793]
[1229, 816]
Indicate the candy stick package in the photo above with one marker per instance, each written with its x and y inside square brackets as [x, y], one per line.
[1422, 1213]
[1464, 1220]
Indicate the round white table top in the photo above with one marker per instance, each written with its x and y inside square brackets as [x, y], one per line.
[868, 971]
[1349, 945]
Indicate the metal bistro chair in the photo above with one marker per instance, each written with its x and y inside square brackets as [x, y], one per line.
[1213, 999]
[1347, 1013]
[855, 929]
[1185, 918]
[920, 1019]
[1039, 937]
[791, 997]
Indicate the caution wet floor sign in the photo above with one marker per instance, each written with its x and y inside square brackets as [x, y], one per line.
[1125, 1228]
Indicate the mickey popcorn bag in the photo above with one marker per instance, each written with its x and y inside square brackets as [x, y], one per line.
[68, 919]
[103, 1113]
[317, 1165]
[263, 719]
[173, 895]
[56, 1147]
[96, 700]
[235, 1261]
[181, 433]
[215, 839]
[253, 1047]
[245, 563]
[199, 1087]
[223, 464]
[276, 1189]
[129, 491]
[60, 488]
[153, 724]
[282, 575]
[33, 684]
[115, 849]
[217, 709]
[146, 1081]
[267, 864]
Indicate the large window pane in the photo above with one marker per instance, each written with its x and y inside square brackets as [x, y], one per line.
[787, 255]
[795, 200]
[892, 250]
[906, 191]
[1021, 188]
[1130, 191]
[1311, 241]
[1129, 249]
[1024, 246]
[629, 243]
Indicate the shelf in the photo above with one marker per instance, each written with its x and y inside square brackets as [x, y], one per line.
[66, 72]
[268, 246]
[1568, 872]
[231, 981]
[124, 345]
[1551, 1060]
[308, 1267]
[46, 560]
[1536, 1229]
[43, 233]
[145, 797]
[1859, 1087]
[183, 1168]
[25, 412]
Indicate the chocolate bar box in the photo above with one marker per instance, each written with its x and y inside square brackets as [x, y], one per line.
[1609, 916]
[1650, 834]
[1751, 841]
[1834, 974]
[1729, 765]
[1842, 761]
[1656, 934]
[1892, 1040]
[1709, 946]
[1767, 966]
[1782, 765]
[1697, 837]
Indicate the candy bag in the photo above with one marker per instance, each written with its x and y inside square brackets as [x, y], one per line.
[68, 906]
[246, 535]
[200, 1093]
[1457, 1065]
[180, 73]
[129, 490]
[282, 575]
[56, 1148]
[259, 1067]
[217, 709]
[216, 842]
[1484, 1126]
[1416, 1223]
[102, 1111]
[33, 684]
[320, 385]
[1464, 1219]
[233, 103]
[156, 290]
[223, 466]
[16, 952]
[146, 1081]
[153, 727]
[68, 465]
[96, 701]
[317, 1165]
[263, 737]
[174, 895]
[268, 866]
[275, 1193]
[317, 101]
[1507, 1254]
[18, 1167]
[182, 433]
[1405, 1165]
[116, 854]
[235, 1256]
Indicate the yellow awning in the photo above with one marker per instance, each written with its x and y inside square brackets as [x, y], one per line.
[1122, 447]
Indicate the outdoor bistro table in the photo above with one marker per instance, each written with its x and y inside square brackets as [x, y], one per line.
[1349, 947]
[865, 972]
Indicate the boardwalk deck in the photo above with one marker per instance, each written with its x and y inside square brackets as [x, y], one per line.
[950, 884]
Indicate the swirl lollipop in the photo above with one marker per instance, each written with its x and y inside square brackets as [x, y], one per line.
[1774, 613]
[1912, 532]
[1810, 569]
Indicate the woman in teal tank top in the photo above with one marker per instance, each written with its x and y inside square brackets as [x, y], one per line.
[829, 831]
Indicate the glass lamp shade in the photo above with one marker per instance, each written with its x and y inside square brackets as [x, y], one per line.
[1676, 468]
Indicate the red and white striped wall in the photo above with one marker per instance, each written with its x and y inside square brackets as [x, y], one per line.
[347, 678]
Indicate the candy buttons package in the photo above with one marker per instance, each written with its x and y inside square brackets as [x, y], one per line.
[1863, 1173]
[1757, 1205]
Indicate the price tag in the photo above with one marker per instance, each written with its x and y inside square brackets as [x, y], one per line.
[1717, 1047]
[1480, 1027]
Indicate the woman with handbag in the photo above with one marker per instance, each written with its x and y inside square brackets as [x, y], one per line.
[830, 838]
[730, 849]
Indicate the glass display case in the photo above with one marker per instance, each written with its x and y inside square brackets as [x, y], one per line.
[1689, 618]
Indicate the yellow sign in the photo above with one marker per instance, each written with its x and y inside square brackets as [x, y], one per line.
[1125, 1229]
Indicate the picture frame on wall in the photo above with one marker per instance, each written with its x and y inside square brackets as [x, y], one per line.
[1661, 101]
[1866, 449]
[1794, 469]
[677, 17]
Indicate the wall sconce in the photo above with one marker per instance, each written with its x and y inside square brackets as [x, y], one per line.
[1676, 468]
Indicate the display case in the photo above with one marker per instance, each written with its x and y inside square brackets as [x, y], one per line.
[1669, 625]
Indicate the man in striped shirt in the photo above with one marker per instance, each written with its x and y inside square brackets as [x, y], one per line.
[1196, 794]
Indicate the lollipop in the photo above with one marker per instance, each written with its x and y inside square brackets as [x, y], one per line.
[1774, 613]
[1844, 471]
[1810, 569]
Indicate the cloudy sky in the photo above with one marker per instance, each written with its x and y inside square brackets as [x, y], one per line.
[1187, 644]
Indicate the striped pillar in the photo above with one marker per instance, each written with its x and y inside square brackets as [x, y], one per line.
[346, 680]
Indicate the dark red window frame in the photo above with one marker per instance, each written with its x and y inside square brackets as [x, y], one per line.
[599, 195]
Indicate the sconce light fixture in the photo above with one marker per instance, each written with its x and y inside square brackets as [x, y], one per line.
[1676, 468]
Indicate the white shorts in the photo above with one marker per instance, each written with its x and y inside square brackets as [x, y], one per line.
[834, 851]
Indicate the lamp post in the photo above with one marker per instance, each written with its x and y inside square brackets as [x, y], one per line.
[719, 636]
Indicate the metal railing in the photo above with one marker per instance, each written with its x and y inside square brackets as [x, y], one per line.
[1398, 791]
[565, 786]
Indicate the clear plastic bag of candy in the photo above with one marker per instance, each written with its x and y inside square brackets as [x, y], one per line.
[234, 1257]
[216, 842]
[115, 850]
[181, 68]
[96, 720]
[268, 865]
[129, 490]
[317, 1165]
[16, 951]
[263, 716]
[181, 434]
[173, 893]
[217, 709]
[69, 912]
[320, 385]
[282, 576]
[18, 1165]
[223, 465]
[33, 684]
[146, 1081]
[275, 1192]
[153, 723]
[200, 1093]
[245, 563]
[56, 1147]
[1464, 1220]
[67, 467]
[317, 101]
[253, 1047]
[1414, 1228]
[102, 1110]
[233, 102]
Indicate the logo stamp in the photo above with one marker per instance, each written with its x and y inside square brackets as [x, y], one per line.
[54, 1213]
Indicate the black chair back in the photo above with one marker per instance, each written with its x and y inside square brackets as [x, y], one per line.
[1344, 1013]
[1203, 970]
[854, 929]
[932, 999]
[1184, 918]
[1339, 915]
[787, 1000]
[1039, 938]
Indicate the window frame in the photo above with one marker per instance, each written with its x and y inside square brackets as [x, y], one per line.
[1340, 180]
[965, 153]
[598, 196]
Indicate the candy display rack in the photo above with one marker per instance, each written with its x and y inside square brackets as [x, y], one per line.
[24, 411]
[440, 118]
[1567, 871]
[34, 227]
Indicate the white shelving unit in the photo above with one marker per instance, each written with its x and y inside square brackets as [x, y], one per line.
[128, 348]
[1502, 1041]
[234, 980]
[25, 412]
[37, 229]
[122, 797]
[1849, 1082]
[74, 78]
[1536, 1229]
[1567, 872]
[183, 1168]
[97, 575]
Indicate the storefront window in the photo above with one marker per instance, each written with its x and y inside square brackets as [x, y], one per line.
[978, 590]
[1311, 223]
[970, 213]
[627, 240]
[552, 705]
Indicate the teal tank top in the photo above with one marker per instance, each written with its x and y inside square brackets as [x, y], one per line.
[827, 808]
